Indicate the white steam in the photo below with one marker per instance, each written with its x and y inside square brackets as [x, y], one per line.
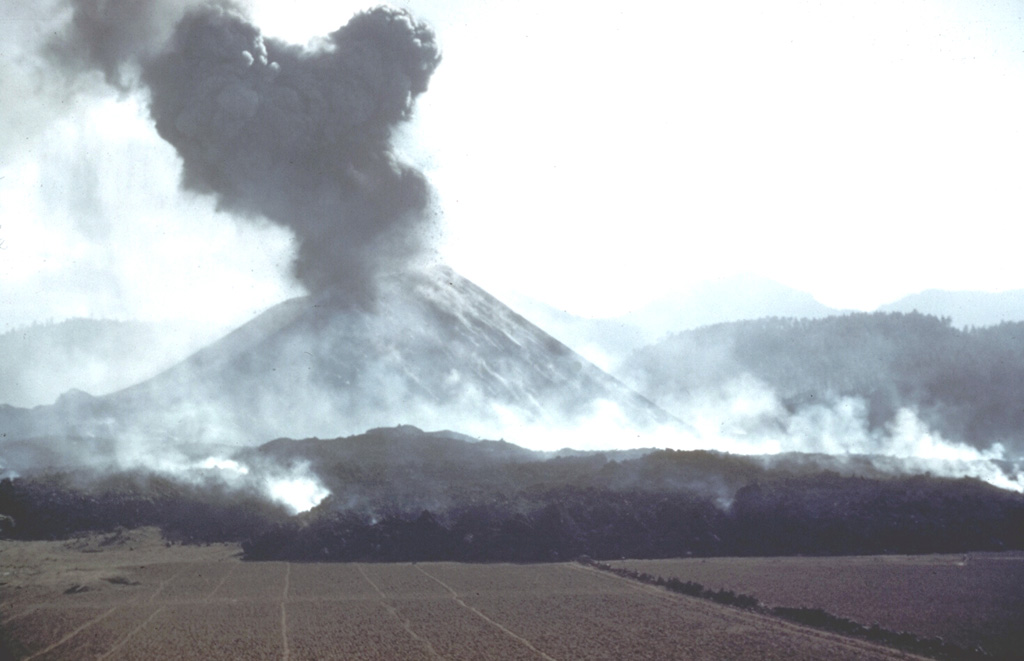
[295, 486]
[227, 465]
[747, 417]
[300, 491]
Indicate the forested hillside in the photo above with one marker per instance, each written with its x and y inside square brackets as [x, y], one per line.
[966, 384]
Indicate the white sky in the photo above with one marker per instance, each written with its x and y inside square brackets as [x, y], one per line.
[594, 158]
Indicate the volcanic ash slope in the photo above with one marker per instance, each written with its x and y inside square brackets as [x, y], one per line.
[434, 350]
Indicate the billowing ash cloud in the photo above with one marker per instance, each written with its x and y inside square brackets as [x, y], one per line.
[301, 136]
[114, 36]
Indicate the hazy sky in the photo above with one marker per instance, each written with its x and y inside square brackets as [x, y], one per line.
[591, 157]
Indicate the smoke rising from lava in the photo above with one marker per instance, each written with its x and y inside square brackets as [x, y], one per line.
[299, 136]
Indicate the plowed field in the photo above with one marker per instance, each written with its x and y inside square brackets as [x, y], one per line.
[973, 600]
[129, 596]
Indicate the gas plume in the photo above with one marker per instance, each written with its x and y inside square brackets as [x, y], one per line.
[299, 136]
[115, 36]
[746, 416]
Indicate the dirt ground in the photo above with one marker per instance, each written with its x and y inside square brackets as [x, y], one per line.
[974, 600]
[130, 595]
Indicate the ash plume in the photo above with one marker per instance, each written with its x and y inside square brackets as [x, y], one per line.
[115, 36]
[299, 136]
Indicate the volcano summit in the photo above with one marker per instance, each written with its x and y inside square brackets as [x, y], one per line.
[435, 350]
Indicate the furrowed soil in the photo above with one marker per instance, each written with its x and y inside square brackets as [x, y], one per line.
[130, 596]
[973, 601]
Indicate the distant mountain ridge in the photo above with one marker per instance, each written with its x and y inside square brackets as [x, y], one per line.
[608, 341]
[735, 298]
[964, 308]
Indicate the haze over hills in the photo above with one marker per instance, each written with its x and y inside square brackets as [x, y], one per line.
[964, 308]
[438, 352]
[728, 299]
[608, 341]
[910, 384]
[435, 350]
[97, 356]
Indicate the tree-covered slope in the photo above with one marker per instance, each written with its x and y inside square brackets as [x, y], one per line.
[965, 384]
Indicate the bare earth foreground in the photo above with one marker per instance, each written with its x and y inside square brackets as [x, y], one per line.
[973, 600]
[129, 596]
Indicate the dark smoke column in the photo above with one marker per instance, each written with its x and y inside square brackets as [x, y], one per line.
[302, 137]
